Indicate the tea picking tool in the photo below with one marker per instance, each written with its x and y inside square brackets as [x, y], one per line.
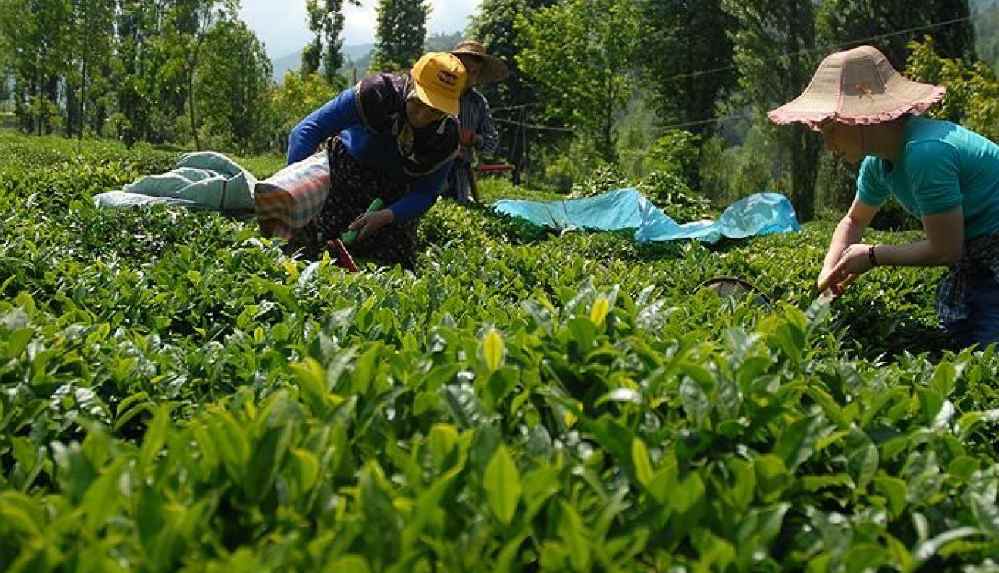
[350, 235]
[341, 256]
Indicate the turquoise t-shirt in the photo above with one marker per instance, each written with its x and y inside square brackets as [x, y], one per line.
[942, 165]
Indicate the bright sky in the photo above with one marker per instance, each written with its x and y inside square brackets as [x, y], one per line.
[281, 24]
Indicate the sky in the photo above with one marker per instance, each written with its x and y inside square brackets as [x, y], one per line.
[281, 24]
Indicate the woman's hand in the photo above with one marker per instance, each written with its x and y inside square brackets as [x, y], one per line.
[370, 223]
[853, 262]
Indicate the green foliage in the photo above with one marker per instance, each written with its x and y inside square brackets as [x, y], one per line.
[578, 53]
[132, 69]
[730, 173]
[235, 89]
[400, 34]
[570, 163]
[972, 89]
[494, 25]
[986, 20]
[178, 395]
[637, 132]
[297, 97]
[326, 21]
[851, 21]
[677, 151]
[684, 39]
[605, 177]
[670, 192]
[774, 47]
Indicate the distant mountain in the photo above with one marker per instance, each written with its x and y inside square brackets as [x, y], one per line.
[358, 56]
[284, 64]
[354, 53]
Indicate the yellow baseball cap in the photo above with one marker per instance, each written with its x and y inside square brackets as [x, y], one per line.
[440, 80]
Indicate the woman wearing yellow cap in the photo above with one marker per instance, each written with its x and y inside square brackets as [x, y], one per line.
[938, 171]
[391, 137]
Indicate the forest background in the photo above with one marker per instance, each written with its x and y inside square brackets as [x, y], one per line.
[668, 95]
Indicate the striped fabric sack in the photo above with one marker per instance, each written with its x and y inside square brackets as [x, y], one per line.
[286, 201]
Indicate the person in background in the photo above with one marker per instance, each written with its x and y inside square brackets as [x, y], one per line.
[944, 174]
[477, 130]
[393, 137]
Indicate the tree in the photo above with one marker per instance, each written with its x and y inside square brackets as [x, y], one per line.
[692, 63]
[972, 88]
[188, 25]
[39, 32]
[774, 49]
[147, 90]
[986, 20]
[234, 80]
[400, 34]
[296, 97]
[92, 41]
[843, 24]
[493, 25]
[580, 53]
[324, 52]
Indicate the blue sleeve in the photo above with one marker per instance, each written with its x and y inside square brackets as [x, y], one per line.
[871, 189]
[335, 116]
[422, 194]
[933, 173]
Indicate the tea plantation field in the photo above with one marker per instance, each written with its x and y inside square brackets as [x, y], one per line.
[176, 395]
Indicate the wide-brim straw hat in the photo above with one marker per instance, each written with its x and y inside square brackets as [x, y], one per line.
[857, 87]
[493, 68]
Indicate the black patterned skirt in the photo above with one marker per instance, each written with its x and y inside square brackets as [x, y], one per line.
[353, 187]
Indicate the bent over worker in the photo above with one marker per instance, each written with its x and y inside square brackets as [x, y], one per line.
[393, 137]
[940, 172]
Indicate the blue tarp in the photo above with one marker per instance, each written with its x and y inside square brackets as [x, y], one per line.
[759, 214]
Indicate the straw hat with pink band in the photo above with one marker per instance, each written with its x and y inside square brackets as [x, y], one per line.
[857, 87]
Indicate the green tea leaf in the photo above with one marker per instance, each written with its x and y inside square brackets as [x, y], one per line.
[895, 491]
[493, 349]
[944, 378]
[598, 313]
[502, 484]
[640, 459]
[573, 532]
[688, 493]
[772, 477]
[155, 437]
[442, 441]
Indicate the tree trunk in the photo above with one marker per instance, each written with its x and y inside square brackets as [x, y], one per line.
[83, 99]
[192, 64]
[804, 168]
[190, 99]
[608, 127]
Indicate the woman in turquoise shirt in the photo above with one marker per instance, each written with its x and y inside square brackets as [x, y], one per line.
[938, 171]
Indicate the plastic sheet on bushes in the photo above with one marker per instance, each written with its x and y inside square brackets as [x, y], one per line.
[758, 214]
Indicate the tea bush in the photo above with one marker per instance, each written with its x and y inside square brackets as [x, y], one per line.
[178, 395]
